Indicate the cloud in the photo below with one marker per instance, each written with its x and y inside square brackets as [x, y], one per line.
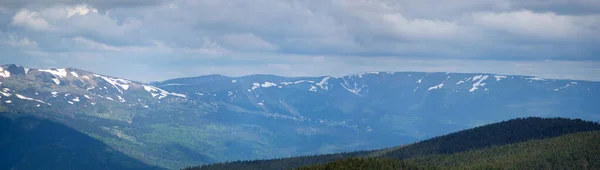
[312, 37]
[100, 4]
[79, 10]
[23, 42]
[31, 20]
[93, 45]
[248, 41]
[539, 25]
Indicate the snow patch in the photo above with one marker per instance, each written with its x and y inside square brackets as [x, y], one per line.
[439, 86]
[124, 84]
[179, 95]
[479, 83]
[268, 84]
[536, 79]
[5, 93]
[58, 73]
[255, 86]
[8, 101]
[4, 73]
[155, 91]
[233, 81]
[74, 74]
[498, 78]
[261, 103]
[70, 102]
[264, 85]
[23, 97]
[121, 99]
[303, 81]
[565, 86]
[76, 99]
[312, 88]
[56, 81]
[419, 81]
[360, 75]
[324, 82]
[355, 89]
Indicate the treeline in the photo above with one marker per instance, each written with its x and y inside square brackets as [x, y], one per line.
[492, 135]
[281, 163]
[368, 164]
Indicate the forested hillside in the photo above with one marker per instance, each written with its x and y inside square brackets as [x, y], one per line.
[32, 143]
[501, 133]
[483, 137]
[571, 151]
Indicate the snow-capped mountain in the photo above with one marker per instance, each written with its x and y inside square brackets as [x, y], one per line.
[217, 118]
[76, 90]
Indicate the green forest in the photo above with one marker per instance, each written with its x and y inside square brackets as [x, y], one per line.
[524, 143]
[572, 151]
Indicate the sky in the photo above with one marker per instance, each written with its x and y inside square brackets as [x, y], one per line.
[153, 40]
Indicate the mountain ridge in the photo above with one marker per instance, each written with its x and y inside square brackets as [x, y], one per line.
[266, 116]
[345, 75]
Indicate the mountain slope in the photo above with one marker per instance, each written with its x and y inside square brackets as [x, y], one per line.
[496, 134]
[570, 151]
[208, 119]
[32, 143]
[501, 133]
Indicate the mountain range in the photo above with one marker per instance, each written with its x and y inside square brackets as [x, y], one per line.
[201, 120]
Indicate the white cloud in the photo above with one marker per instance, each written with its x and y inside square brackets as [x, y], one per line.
[313, 37]
[62, 21]
[17, 41]
[541, 25]
[30, 19]
[248, 41]
[79, 10]
[93, 45]
[208, 49]
[417, 29]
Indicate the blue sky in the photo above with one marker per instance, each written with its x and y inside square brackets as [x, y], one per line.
[161, 39]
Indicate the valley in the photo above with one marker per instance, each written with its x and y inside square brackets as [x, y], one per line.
[208, 119]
